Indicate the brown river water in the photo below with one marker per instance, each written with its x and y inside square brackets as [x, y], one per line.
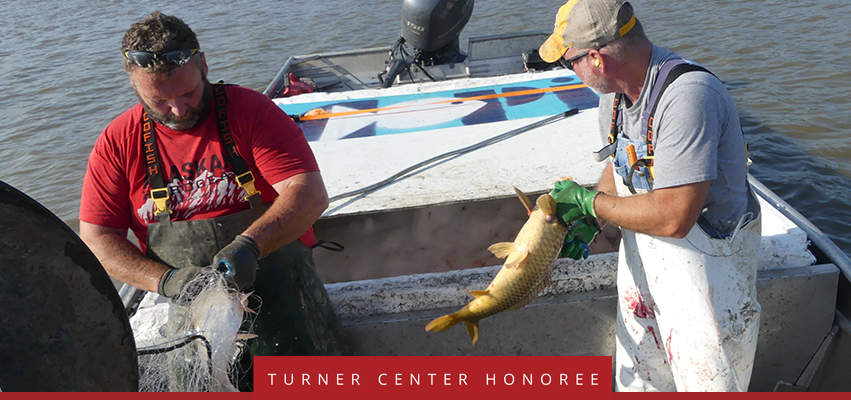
[787, 64]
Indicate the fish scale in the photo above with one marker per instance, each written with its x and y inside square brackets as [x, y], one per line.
[525, 273]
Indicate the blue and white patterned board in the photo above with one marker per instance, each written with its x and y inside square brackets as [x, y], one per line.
[394, 114]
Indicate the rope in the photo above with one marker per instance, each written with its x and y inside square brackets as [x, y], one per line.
[468, 149]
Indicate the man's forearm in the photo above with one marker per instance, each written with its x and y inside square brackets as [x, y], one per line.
[606, 185]
[607, 181]
[668, 212]
[121, 259]
[301, 201]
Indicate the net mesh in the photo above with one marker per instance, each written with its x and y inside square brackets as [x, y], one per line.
[199, 348]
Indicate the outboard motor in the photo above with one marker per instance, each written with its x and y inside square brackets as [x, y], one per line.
[432, 28]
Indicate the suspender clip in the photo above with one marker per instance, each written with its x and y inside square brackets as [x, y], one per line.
[246, 182]
[160, 198]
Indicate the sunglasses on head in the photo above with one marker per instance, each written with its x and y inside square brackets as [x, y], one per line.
[145, 59]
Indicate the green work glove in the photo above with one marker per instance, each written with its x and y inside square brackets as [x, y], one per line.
[238, 262]
[579, 235]
[573, 201]
[173, 281]
[575, 250]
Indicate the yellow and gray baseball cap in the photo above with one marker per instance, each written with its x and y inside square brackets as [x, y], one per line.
[586, 24]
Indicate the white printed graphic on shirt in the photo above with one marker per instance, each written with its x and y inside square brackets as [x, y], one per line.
[190, 197]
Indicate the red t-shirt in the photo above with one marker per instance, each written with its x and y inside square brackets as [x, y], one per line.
[201, 182]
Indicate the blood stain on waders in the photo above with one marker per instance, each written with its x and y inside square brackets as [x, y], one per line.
[668, 346]
[655, 338]
[635, 304]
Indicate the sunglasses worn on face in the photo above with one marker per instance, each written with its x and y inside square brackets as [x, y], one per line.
[145, 59]
[569, 62]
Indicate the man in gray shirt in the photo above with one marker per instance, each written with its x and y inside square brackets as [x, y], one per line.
[676, 185]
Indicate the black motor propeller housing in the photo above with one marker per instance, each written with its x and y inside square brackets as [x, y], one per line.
[432, 25]
[432, 28]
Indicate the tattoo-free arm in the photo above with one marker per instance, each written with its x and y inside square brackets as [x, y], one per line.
[668, 212]
[120, 258]
[301, 200]
[607, 182]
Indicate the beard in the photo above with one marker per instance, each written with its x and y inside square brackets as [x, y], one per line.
[596, 83]
[192, 116]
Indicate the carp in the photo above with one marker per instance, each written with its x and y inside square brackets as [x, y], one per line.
[217, 313]
[526, 272]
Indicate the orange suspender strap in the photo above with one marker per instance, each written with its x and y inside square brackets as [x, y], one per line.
[615, 115]
[159, 192]
[610, 149]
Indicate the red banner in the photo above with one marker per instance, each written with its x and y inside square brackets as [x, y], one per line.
[430, 377]
[433, 378]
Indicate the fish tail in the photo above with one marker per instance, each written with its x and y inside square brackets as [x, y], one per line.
[473, 331]
[443, 323]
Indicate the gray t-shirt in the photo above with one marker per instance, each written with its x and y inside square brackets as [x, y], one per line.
[698, 138]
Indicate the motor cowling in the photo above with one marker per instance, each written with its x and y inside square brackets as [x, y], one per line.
[432, 28]
[430, 25]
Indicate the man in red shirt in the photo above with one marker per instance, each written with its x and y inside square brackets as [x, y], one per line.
[209, 175]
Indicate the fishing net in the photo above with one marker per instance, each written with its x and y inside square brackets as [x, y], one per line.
[199, 349]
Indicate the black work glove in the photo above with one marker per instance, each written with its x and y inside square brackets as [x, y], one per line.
[173, 281]
[238, 262]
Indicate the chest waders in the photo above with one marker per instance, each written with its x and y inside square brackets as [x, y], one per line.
[296, 317]
[688, 316]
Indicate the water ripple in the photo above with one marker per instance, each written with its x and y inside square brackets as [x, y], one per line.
[786, 64]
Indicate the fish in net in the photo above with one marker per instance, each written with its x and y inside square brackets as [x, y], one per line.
[200, 347]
